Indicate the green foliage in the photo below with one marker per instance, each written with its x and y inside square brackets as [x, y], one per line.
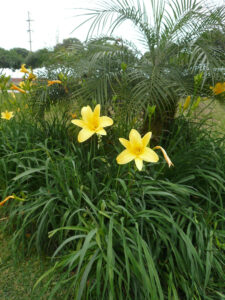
[117, 233]
[174, 36]
[38, 58]
[15, 57]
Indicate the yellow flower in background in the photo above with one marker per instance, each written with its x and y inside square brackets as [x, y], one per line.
[219, 88]
[14, 87]
[6, 199]
[51, 82]
[22, 84]
[31, 76]
[187, 102]
[91, 123]
[7, 115]
[23, 69]
[137, 150]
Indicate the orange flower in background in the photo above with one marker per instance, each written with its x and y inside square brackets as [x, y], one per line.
[51, 82]
[91, 123]
[14, 87]
[7, 115]
[73, 115]
[6, 199]
[23, 69]
[219, 88]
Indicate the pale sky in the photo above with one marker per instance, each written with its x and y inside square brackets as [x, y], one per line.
[54, 20]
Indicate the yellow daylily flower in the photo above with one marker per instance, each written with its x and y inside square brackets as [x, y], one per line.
[7, 115]
[31, 76]
[6, 199]
[14, 87]
[187, 102]
[91, 123]
[23, 69]
[137, 150]
[51, 82]
[219, 88]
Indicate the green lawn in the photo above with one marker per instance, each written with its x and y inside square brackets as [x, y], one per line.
[17, 278]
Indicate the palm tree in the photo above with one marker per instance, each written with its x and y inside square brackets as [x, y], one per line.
[172, 34]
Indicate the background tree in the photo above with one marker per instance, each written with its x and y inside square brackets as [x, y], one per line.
[176, 48]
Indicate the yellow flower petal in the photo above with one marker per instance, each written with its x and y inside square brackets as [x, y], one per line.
[84, 134]
[149, 155]
[79, 123]
[146, 139]
[97, 111]
[125, 157]
[139, 163]
[87, 114]
[124, 142]
[167, 159]
[105, 121]
[101, 131]
[135, 138]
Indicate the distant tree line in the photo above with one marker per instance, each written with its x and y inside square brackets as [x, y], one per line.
[13, 58]
[64, 52]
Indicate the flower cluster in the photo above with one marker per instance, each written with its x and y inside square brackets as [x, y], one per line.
[136, 147]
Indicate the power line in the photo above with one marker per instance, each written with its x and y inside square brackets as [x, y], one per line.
[29, 30]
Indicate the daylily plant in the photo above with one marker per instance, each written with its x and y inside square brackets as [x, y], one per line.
[7, 115]
[91, 123]
[137, 150]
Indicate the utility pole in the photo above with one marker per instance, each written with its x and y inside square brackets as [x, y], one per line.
[29, 30]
